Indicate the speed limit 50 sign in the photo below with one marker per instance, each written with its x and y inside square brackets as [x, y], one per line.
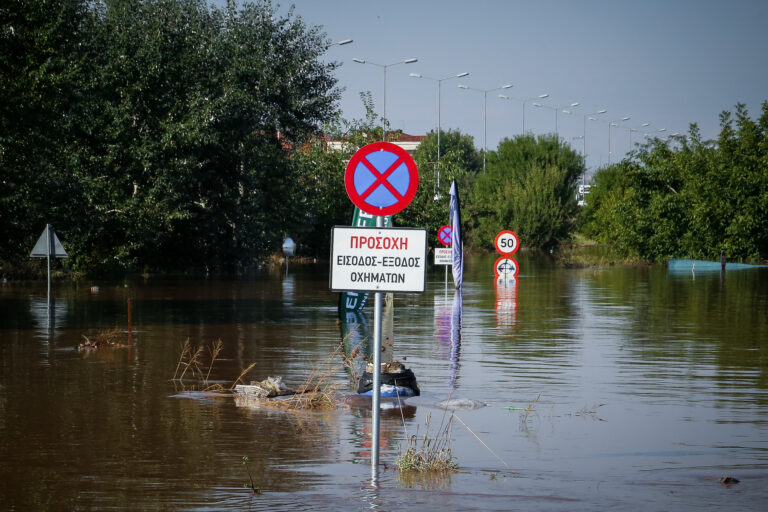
[507, 243]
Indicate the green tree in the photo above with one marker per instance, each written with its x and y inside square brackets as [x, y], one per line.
[41, 65]
[459, 160]
[685, 197]
[530, 187]
[320, 200]
[170, 147]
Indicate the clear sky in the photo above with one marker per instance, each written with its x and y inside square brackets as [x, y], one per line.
[664, 62]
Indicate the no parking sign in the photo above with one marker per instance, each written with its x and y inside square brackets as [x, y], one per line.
[444, 235]
[381, 178]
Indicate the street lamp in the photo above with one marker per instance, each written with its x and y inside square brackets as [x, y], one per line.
[584, 133]
[485, 112]
[384, 67]
[439, 129]
[540, 96]
[559, 109]
[610, 125]
[644, 125]
[523, 102]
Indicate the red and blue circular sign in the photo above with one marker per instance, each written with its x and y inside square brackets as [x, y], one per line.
[444, 235]
[506, 267]
[381, 178]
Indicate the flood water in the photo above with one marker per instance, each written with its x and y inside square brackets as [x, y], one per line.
[630, 387]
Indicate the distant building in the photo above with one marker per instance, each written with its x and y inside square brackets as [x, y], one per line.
[406, 141]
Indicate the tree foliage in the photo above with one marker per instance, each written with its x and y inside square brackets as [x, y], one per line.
[686, 197]
[156, 134]
[528, 187]
[459, 160]
[322, 200]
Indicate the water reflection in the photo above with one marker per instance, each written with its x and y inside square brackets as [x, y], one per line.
[48, 317]
[506, 301]
[457, 310]
[649, 383]
[448, 311]
[356, 336]
[288, 289]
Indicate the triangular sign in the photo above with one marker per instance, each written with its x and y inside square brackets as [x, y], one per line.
[41, 247]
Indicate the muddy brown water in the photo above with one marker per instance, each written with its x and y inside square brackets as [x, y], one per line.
[643, 389]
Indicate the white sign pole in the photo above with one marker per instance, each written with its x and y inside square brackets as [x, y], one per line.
[376, 395]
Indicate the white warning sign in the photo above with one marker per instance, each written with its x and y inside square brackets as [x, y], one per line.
[378, 259]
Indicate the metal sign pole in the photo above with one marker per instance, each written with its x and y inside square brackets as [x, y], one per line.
[50, 253]
[376, 395]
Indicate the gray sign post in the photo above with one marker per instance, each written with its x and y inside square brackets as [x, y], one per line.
[381, 179]
[48, 246]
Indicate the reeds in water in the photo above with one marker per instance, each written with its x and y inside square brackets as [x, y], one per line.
[425, 453]
[192, 360]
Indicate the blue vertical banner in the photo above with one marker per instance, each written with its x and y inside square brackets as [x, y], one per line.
[457, 246]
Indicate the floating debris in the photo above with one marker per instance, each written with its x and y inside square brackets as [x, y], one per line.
[104, 339]
[729, 480]
[466, 404]
[267, 388]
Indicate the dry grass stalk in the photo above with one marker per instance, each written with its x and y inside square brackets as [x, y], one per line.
[192, 358]
[193, 361]
[429, 454]
[318, 393]
[242, 374]
[213, 350]
[186, 348]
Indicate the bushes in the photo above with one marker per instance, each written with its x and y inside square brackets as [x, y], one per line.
[529, 187]
[685, 197]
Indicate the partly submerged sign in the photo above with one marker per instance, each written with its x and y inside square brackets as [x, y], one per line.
[48, 245]
[378, 260]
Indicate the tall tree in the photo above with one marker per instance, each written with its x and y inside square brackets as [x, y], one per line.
[530, 187]
[459, 160]
[41, 62]
[175, 131]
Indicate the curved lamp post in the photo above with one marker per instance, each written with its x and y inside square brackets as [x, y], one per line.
[439, 128]
[523, 102]
[562, 109]
[485, 112]
[589, 117]
[644, 125]
[384, 67]
[610, 125]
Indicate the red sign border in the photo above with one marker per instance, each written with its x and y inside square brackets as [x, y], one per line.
[496, 243]
[349, 176]
[496, 266]
[440, 239]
